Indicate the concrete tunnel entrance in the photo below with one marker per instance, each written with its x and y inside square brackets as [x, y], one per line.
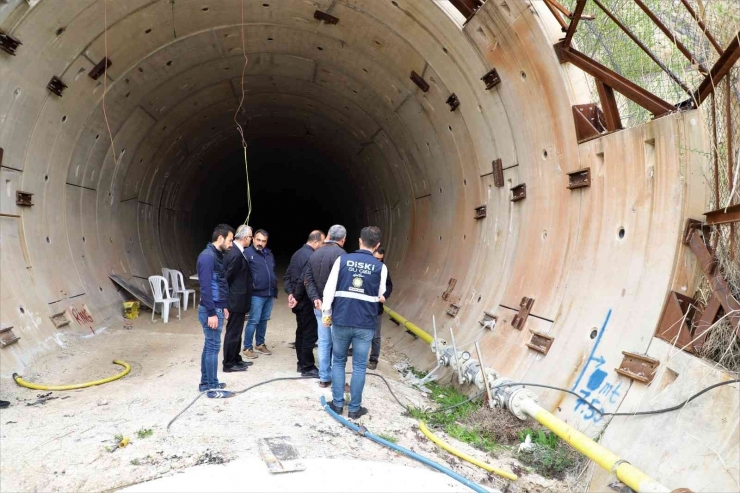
[454, 126]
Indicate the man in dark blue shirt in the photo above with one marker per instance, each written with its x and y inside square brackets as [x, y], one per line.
[214, 293]
[264, 293]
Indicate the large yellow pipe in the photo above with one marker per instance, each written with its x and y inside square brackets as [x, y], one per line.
[625, 472]
[34, 386]
[463, 456]
[413, 328]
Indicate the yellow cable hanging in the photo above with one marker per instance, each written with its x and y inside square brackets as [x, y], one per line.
[465, 457]
[19, 380]
[249, 193]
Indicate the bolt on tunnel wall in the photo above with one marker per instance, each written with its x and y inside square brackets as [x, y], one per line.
[351, 123]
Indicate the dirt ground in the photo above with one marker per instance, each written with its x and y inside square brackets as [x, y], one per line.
[61, 445]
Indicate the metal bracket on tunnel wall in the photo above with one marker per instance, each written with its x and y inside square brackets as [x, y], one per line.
[419, 81]
[491, 79]
[60, 319]
[540, 342]
[488, 321]
[7, 337]
[24, 199]
[450, 286]
[100, 68]
[521, 318]
[452, 310]
[638, 367]
[498, 173]
[453, 101]
[56, 86]
[589, 121]
[326, 18]
[481, 211]
[579, 179]
[8, 43]
[519, 192]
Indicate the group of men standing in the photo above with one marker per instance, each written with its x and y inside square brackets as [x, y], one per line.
[337, 299]
[235, 281]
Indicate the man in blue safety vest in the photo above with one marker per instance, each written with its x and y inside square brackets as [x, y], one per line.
[355, 288]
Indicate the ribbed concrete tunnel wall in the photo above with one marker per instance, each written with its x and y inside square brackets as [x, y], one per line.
[597, 261]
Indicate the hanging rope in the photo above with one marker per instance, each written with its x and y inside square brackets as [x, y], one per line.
[238, 125]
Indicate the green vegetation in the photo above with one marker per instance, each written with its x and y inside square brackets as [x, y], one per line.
[549, 456]
[144, 432]
[388, 437]
[118, 438]
[135, 462]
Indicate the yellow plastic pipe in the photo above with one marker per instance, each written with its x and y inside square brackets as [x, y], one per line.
[34, 386]
[625, 472]
[413, 328]
[465, 457]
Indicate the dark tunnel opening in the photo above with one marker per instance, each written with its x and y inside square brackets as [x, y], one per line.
[294, 187]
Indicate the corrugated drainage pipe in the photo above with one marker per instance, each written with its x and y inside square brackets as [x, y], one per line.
[363, 432]
[463, 456]
[408, 325]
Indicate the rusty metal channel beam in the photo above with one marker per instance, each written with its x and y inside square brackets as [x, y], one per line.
[609, 107]
[723, 216]
[629, 89]
[719, 70]
[467, 7]
[577, 12]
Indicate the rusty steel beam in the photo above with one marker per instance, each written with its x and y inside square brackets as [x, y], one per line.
[719, 70]
[730, 155]
[702, 26]
[629, 89]
[557, 16]
[708, 264]
[727, 215]
[609, 107]
[560, 7]
[715, 157]
[642, 46]
[577, 12]
[466, 7]
[670, 35]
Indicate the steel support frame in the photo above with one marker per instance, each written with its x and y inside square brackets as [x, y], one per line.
[725, 62]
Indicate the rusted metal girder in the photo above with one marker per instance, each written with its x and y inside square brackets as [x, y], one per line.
[629, 89]
[723, 216]
[467, 7]
[670, 35]
[642, 46]
[708, 264]
[702, 26]
[725, 62]
[609, 107]
[577, 12]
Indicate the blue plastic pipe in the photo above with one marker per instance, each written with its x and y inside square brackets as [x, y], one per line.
[473, 486]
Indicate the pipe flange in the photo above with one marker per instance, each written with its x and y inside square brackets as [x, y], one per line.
[518, 396]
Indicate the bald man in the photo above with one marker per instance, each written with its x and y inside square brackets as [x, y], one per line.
[306, 333]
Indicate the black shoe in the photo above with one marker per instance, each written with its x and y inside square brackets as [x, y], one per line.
[298, 368]
[313, 373]
[349, 352]
[4, 404]
[338, 410]
[235, 368]
[245, 364]
[358, 414]
[291, 345]
[372, 364]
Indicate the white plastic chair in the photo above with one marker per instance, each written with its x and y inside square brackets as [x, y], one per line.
[178, 287]
[160, 288]
[167, 274]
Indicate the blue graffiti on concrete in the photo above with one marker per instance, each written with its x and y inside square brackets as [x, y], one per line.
[596, 384]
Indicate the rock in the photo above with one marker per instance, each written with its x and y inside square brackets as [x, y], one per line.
[102, 402]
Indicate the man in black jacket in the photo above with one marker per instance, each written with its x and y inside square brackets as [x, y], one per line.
[239, 279]
[264, 293]
[375, 350]
[306, 329]
[317, 272]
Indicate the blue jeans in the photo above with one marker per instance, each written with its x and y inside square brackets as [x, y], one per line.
[211, 347]
[324, 349]
[342, 337]
[259, 314]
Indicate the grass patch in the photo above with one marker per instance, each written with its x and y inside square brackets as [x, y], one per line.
[118, 438]
[144, 432]
[389, 438]
[135, 462]
[549, 456]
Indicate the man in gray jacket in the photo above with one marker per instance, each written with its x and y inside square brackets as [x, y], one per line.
[316, 274]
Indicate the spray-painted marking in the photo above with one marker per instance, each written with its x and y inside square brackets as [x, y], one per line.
[597, 391]
[82, 316]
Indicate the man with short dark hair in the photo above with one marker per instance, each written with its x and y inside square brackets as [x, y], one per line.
[264, 292]
[212, 309]
[355, 288]
[375, 351]
[306, 325]
[317, 272]
[239, 279]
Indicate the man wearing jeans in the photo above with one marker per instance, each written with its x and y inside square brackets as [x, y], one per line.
[317, 273]
[264, 293]
[355, 287]
[212, 310]
[375, 351]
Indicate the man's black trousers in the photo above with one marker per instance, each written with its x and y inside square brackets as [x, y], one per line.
[306, 335]
[233, 339]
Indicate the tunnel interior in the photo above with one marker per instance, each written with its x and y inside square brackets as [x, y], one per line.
[353, 122]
